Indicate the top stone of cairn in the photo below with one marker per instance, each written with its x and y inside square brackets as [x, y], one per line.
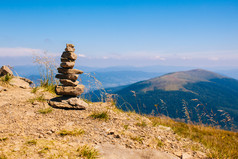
[70, 48]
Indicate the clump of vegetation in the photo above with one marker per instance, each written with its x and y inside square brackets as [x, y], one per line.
[31, 142]
[159, 142]
[6, 79]
[221, 143]
[43, 150]
[142, 124]
[40, 98]
[100, 115]
[45, 110]
[47, 69]
[126, 127]
[2, 156]
[88, 152]
[138, 139]
[75, 132]
[34, 90]
[4, 139]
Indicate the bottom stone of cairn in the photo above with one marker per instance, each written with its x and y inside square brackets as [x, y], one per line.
[68, 102]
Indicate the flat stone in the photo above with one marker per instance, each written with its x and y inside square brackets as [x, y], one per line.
[70, 90]
[67, 64]
[69, 55]
[66, 60]
[5, 70]
[72, 77]
[69, 45]
[68, 103]
[68, 82]
[66, 71]
[70, 49]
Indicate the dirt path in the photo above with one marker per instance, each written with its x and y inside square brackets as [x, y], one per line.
[31, 129]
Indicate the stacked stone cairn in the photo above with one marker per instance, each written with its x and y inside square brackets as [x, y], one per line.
[70, 88]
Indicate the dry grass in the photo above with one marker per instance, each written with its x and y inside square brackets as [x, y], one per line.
[88, 152]
[40, 98]
[31, 142]
[159, 143]
[100, 115]
[139, 139]
[47, 69]
[45, 110]
[34, 90]
[6, 79]
[141, 124]
[4, 139]
[75, 132]
[221, 143]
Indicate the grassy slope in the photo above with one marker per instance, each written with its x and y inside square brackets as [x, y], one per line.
[222, 144]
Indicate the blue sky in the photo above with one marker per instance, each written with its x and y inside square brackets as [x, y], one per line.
[200, 33]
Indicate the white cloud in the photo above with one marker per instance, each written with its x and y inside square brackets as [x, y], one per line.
[160, 58]
[81, 55]
[186, 58]
[15, 52]
[215, 58]
[105, 57]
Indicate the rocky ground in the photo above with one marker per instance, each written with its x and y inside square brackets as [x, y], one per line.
[30, 128]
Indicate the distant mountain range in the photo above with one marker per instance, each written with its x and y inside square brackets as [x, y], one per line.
[195, 95]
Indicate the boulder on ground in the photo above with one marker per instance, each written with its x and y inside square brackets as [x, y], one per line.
[19, 83]
[5, 70]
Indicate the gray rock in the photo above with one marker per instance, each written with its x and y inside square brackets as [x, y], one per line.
[70, 90]
[72, 77]
[67, 64]
[5, 70]
[68, 103]
[66, 71]
[67, 82]
[69, 55]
